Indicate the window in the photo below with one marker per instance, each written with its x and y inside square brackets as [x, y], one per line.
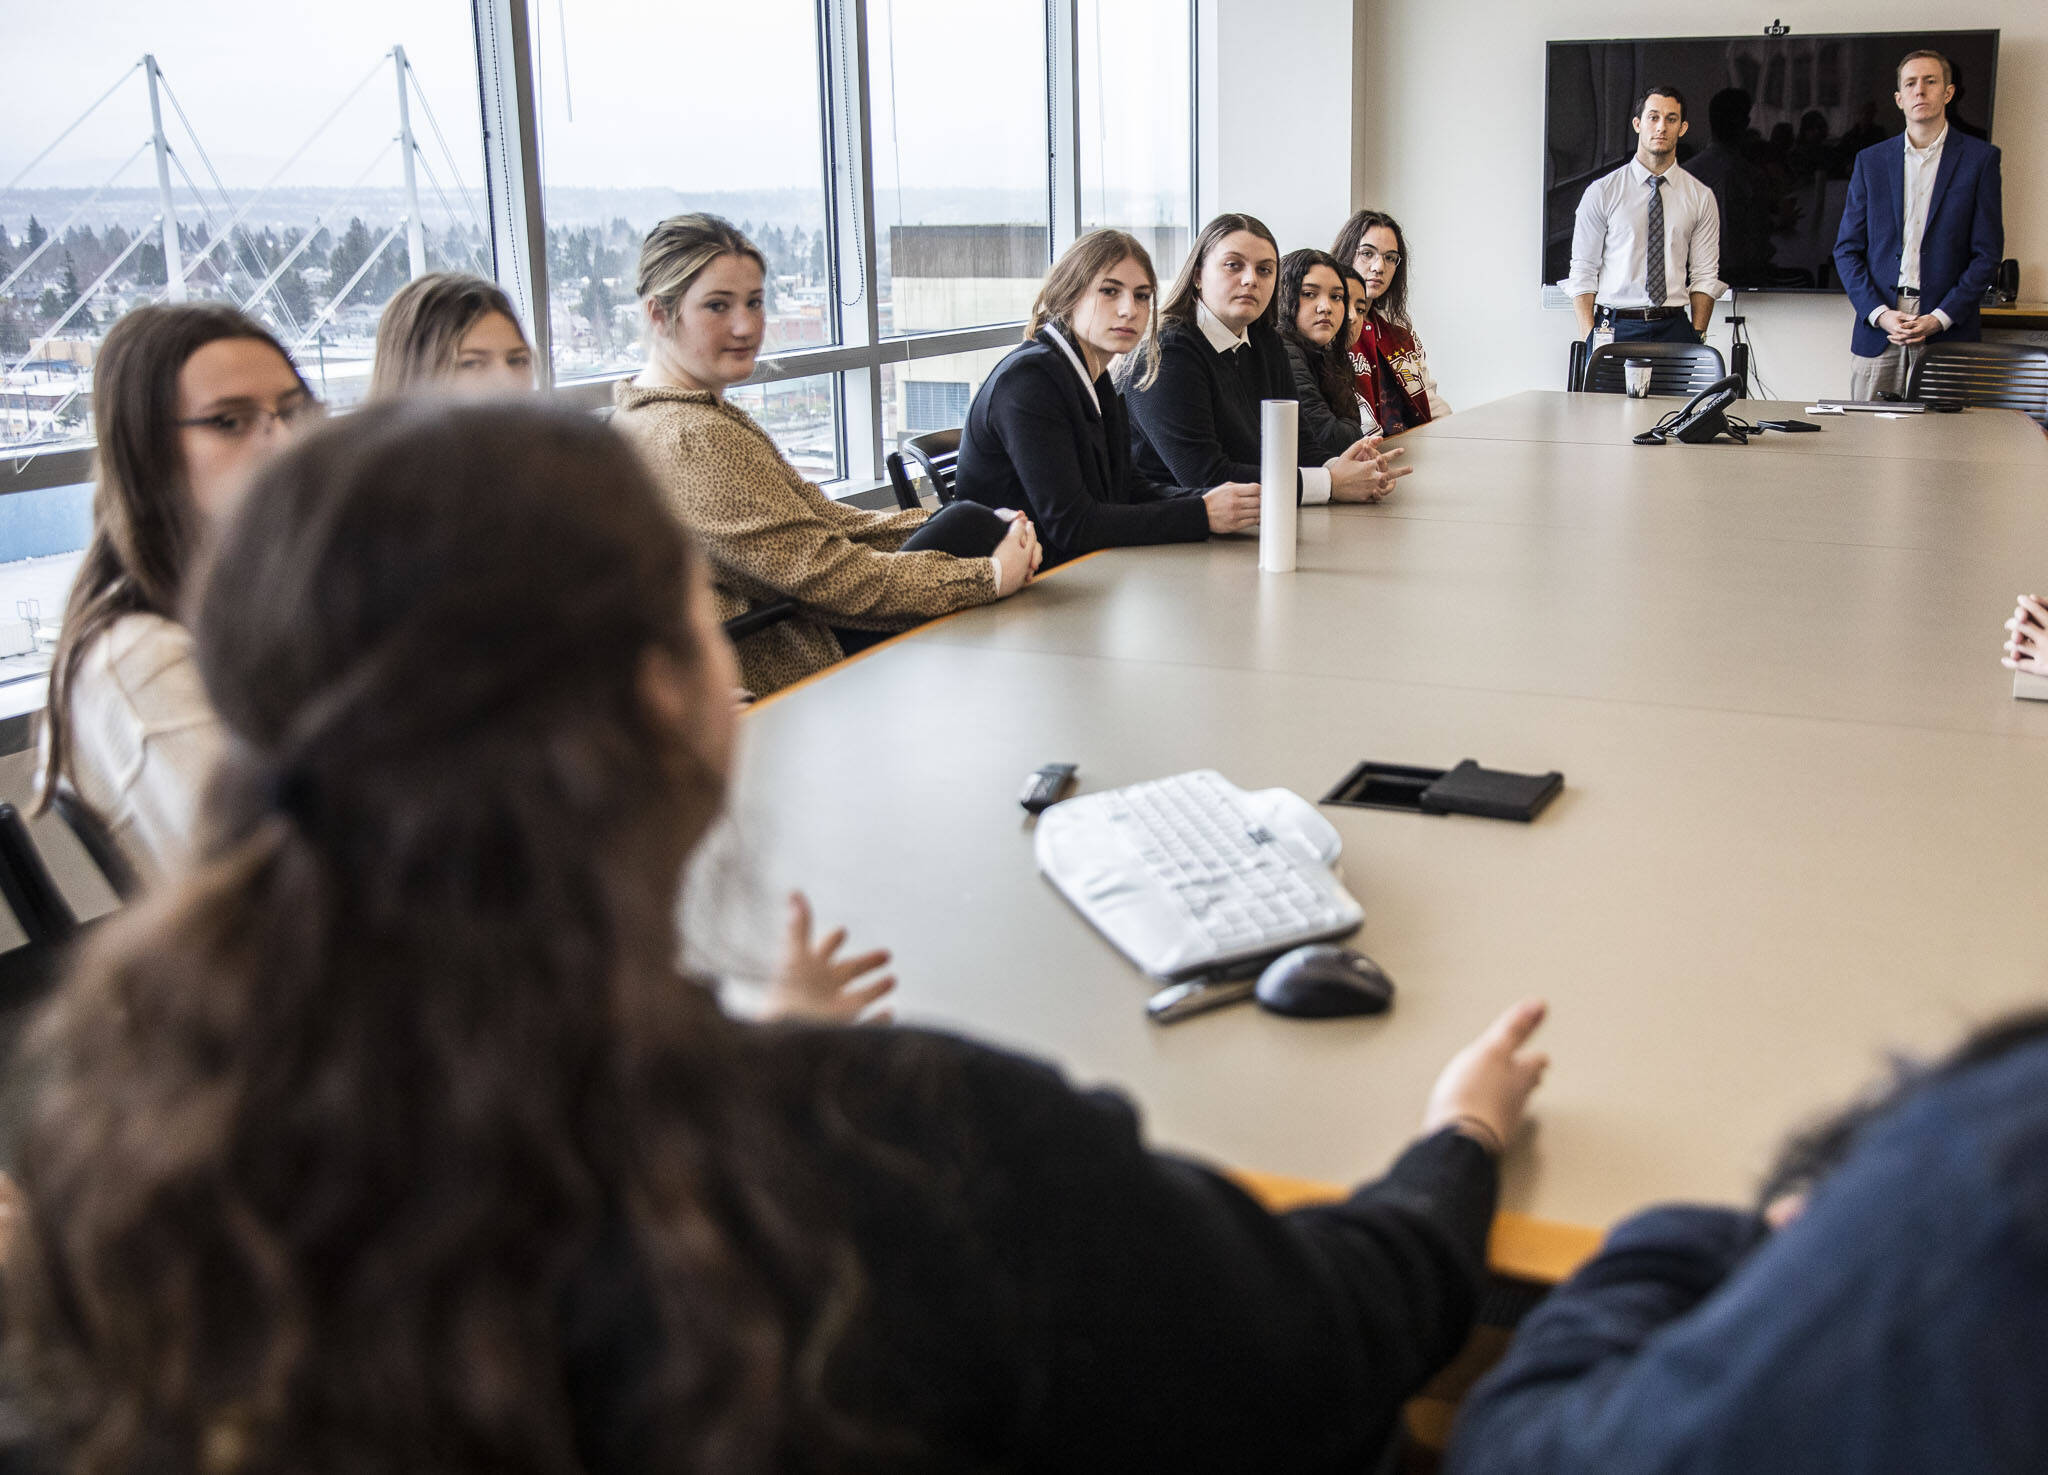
[306, 172]
[934, 393]
[648, 111]
[962, 199]
[895, 160]
[802, 416]
[1137, 143]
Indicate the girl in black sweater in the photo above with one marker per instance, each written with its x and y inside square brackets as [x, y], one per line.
[388, 1138]
[1314, 315]
[1195, 394]
[1049, 432]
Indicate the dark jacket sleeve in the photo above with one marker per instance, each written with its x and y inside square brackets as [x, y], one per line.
[1185, 1327]
[1043, 448]
[1175, 419]
[1323, 434]
[1852, 242]
[1147, 1313]
[1558, 1398]
[1987, 246]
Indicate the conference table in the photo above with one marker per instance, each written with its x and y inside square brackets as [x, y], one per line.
[1804, 822]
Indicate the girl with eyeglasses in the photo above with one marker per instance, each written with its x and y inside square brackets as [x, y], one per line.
[189, 400]
[1386, 355]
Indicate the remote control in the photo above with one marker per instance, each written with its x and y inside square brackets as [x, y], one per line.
[1046, 787]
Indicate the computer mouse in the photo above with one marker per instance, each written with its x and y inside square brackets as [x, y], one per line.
[1324, 981]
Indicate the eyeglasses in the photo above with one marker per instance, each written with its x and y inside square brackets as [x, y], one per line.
[1367, 256]
[239, 424]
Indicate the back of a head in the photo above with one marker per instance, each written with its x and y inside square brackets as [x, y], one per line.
[422, 325]
[380, 1047]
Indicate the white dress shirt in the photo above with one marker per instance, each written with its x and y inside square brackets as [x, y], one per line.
[1922, 167]
[1315, 480]
[144, 739]
[1611, 238]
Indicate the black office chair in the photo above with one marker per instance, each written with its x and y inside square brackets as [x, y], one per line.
[25, 883]
[760, 618]
[1675, 368]
[1575, 365]
[98, 842]
[1994, 376]
[937, 454]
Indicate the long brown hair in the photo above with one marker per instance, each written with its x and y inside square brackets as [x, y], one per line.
[1391, 304]
[329, 1128]
[422, 327]
[1075, 272]
[1329, 361]
[1187, 285]
[145, 528]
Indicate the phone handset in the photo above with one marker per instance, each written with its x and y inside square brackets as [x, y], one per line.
[1704, 416]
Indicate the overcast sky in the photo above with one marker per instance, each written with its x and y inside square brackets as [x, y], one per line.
[691, 94]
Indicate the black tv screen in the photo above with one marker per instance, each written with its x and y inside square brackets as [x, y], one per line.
[1774, 123]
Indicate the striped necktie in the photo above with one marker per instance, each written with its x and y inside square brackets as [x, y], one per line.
[1656, 283]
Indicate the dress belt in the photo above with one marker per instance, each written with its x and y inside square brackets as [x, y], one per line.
[1644, 314]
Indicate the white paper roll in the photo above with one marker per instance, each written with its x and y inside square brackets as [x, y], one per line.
[1277, 481]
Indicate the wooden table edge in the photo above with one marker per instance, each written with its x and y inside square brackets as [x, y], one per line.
[881, 645]
[1521, 1245]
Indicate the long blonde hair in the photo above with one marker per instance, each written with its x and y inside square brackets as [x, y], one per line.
[679, 249]
[422, 327]
[1075, 272]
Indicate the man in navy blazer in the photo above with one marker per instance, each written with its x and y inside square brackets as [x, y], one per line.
[1922, 233]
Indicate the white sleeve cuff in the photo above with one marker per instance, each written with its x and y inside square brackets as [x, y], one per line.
[1875, 313]
[1315, 485]
[1947, 322]
[996, 564]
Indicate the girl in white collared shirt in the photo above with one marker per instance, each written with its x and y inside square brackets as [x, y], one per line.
[188, 400]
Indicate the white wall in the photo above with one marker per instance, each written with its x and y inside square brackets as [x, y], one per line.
[1450, 94]
[1275, 117]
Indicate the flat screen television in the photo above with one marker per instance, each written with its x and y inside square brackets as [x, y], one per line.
[1774, 124]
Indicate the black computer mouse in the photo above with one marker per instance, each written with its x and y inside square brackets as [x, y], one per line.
[1324, 981]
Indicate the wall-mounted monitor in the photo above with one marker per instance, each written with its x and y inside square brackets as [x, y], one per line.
[1774, 124]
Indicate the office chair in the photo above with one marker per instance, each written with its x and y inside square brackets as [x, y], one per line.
[760, 618]
[1994, 376]
[1675, 368]
[98, 843]
[31, 895]
[937, 454]
[1575, 365]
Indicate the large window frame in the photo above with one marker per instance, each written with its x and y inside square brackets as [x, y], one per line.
[518, 227]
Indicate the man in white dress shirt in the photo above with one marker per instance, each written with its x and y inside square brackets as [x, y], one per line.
[1922, 231]
[1646, 247]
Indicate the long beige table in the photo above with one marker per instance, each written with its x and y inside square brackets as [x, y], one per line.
[1803, 825]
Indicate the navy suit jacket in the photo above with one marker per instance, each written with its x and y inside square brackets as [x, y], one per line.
[1959, 250]
[1034, 439]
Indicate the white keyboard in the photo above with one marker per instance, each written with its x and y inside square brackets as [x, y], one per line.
[1189, 873]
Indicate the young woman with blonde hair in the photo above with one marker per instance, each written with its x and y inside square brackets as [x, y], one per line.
[770, 534]
[451, 331]
[1049, 431]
